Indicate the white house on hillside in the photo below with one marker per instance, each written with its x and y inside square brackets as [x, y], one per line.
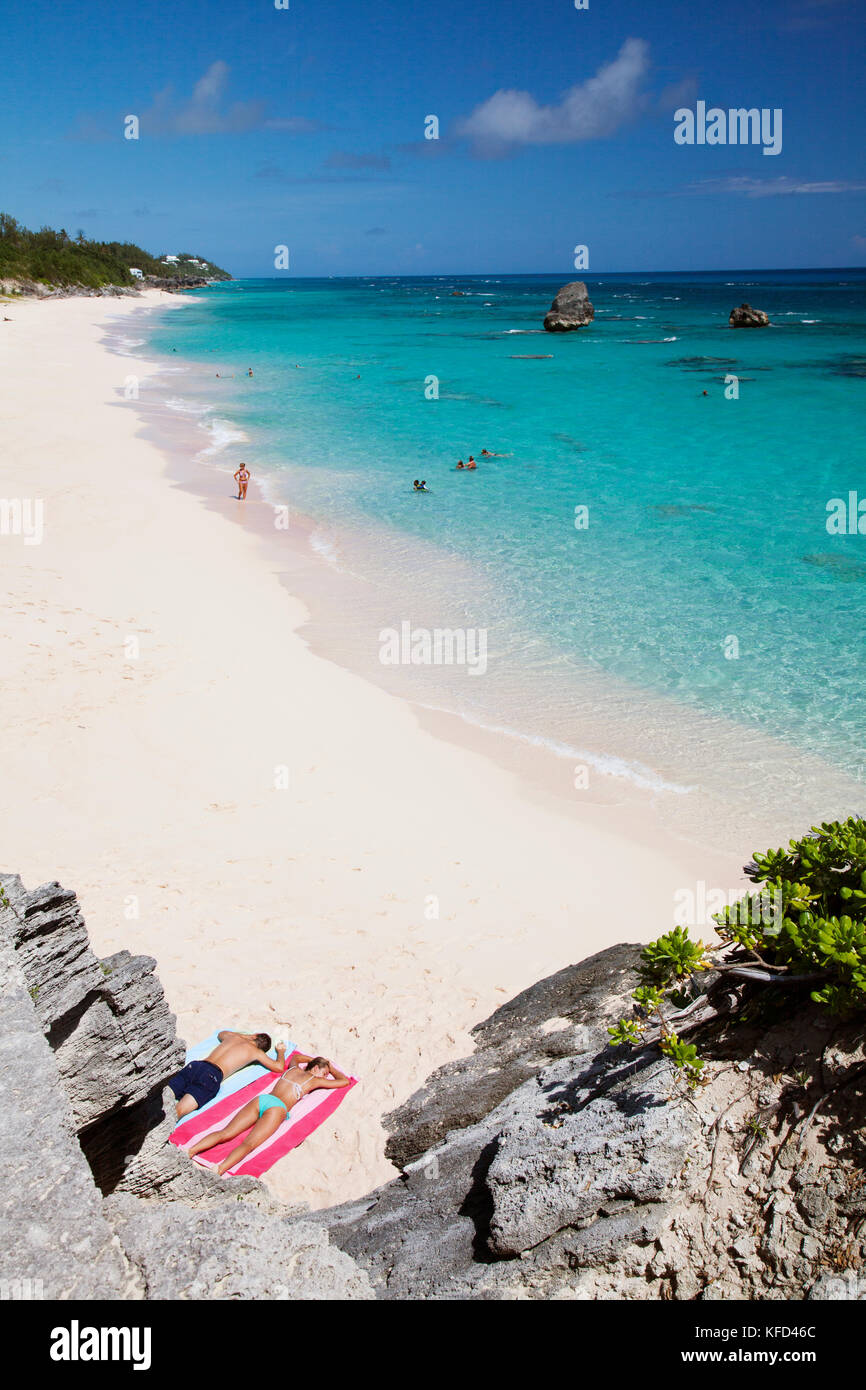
[134, 270]
[169, 260]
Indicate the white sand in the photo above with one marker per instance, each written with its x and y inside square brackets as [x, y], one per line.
[149, 783]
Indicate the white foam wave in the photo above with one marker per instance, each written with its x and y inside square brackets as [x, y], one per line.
[184, 407]
[606, 763]
[222, 433]
[325, 545]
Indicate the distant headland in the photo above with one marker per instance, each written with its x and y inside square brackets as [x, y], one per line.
[50, 261]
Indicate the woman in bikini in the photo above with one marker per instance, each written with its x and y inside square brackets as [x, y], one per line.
[242, 478]
[266, 1113]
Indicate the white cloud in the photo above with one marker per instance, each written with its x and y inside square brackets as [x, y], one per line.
[205, 112]
[770, 188]
[589, 111]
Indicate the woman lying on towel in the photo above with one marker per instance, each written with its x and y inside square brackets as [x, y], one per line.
[267, 1113]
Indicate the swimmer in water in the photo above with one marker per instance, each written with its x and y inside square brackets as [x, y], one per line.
[249, 371]
[471, 463]
[419, 487]
[460, 465]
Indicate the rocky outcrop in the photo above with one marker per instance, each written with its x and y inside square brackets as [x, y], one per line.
[596, 1177]
[37, 289]
[558, 1017]
[86, 1046]
[570, 309]
[231, 1249]
[176, 282]
[747, 317]
[546, 1165]
[113, 1037]
[55, 1241]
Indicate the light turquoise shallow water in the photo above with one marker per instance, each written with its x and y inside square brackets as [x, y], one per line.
[707, 515]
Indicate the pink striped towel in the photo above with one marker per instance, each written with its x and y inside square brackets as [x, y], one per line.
[302, 1119]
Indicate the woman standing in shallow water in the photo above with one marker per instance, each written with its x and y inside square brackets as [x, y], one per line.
[242, 478]
[267, 1113]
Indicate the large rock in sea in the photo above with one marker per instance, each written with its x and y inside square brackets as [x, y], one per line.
[747, 317]
[570, 309]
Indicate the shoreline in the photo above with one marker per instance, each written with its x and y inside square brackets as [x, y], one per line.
[712, 783]
[403, 884]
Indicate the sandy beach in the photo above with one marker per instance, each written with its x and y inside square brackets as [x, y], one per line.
[296, 848]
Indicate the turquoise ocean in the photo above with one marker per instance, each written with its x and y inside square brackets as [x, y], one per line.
[705, 624]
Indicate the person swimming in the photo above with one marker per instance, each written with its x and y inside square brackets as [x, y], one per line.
[419, 487]
[266, 1113]
[471, 463]
[460, 464]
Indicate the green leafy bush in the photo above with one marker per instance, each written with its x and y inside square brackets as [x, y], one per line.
[807, 926]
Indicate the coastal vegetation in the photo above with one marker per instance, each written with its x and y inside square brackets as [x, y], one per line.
[806, 928]
[56, 258]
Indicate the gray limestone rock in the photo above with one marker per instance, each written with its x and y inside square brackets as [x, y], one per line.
[628, 1144]
[53, 1234]
[231, 1250]
[560, 1016]
[547, 1165]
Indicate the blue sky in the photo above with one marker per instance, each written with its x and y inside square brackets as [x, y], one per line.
[305, 127]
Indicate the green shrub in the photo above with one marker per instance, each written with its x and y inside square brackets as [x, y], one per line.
[806, 926]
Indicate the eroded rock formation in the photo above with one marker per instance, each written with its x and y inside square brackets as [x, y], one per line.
[570, 309]
[86, 1047]
[558, 1167]
[747, 317]
[546, 1165]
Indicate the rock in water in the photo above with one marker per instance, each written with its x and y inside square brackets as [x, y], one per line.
[570, 309]
[747, 317]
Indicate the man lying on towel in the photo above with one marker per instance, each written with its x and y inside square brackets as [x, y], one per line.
[267, 1112]
[198, 1082]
